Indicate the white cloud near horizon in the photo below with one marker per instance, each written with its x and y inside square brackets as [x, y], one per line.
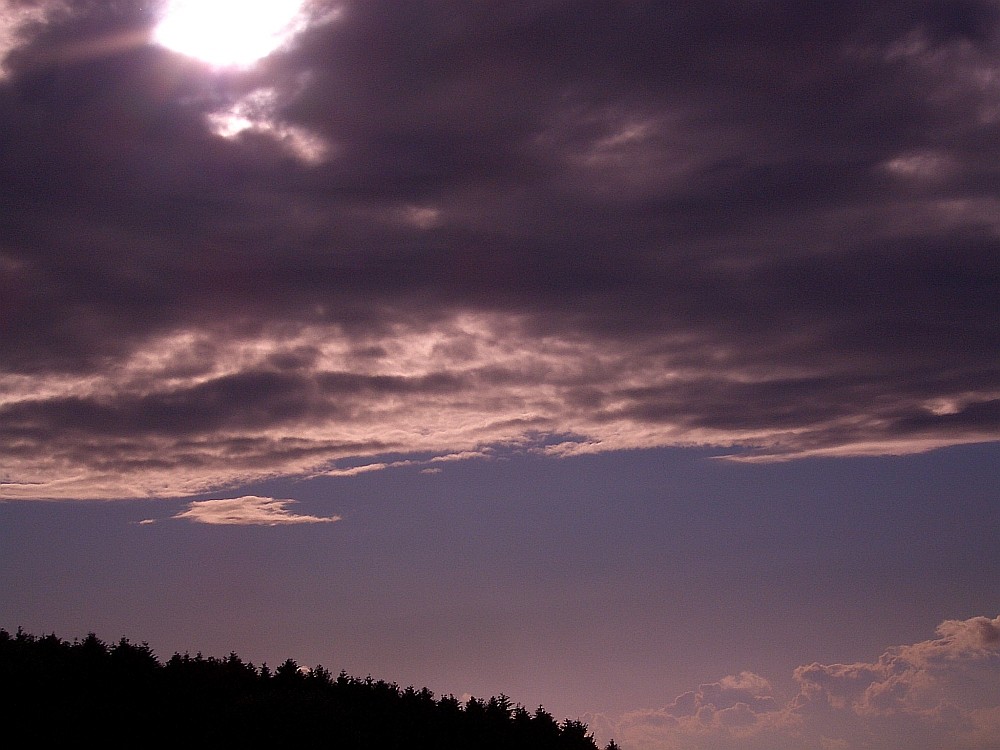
[938, 693]
[249, 510]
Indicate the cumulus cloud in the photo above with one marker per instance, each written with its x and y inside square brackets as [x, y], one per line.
[249, 510]
[943, 692]
[432, 231]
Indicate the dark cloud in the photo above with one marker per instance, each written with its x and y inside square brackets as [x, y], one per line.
[771, 226]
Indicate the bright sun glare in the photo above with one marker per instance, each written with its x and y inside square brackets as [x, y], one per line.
[228, 32]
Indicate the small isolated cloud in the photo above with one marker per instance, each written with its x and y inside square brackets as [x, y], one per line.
[365, 469]
[943, 692]
[249, 510]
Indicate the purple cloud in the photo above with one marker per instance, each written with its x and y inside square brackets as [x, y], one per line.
[435, 230]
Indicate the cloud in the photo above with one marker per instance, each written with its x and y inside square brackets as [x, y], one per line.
[485, 454]
[938, 693]
[445, 230]
[249, 510]
[354, 471]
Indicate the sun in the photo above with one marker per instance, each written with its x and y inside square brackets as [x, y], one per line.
[228, 33]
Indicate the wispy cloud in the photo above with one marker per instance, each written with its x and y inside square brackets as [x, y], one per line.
[352, 471]
[938, 693]
[249, 510]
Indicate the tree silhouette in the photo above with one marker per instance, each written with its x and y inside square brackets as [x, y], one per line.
[59, 692]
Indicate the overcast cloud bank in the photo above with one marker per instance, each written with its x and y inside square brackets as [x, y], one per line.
[435, 227]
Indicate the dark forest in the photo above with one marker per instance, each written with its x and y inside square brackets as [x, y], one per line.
[57, 691]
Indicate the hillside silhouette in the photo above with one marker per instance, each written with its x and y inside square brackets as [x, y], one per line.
[56, 691]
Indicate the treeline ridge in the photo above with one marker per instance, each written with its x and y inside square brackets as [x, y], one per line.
[54, 690]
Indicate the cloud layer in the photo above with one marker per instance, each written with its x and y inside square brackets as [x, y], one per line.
[433, 228]
[938, 693]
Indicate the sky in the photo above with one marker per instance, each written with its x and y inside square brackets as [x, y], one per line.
[637, 359]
